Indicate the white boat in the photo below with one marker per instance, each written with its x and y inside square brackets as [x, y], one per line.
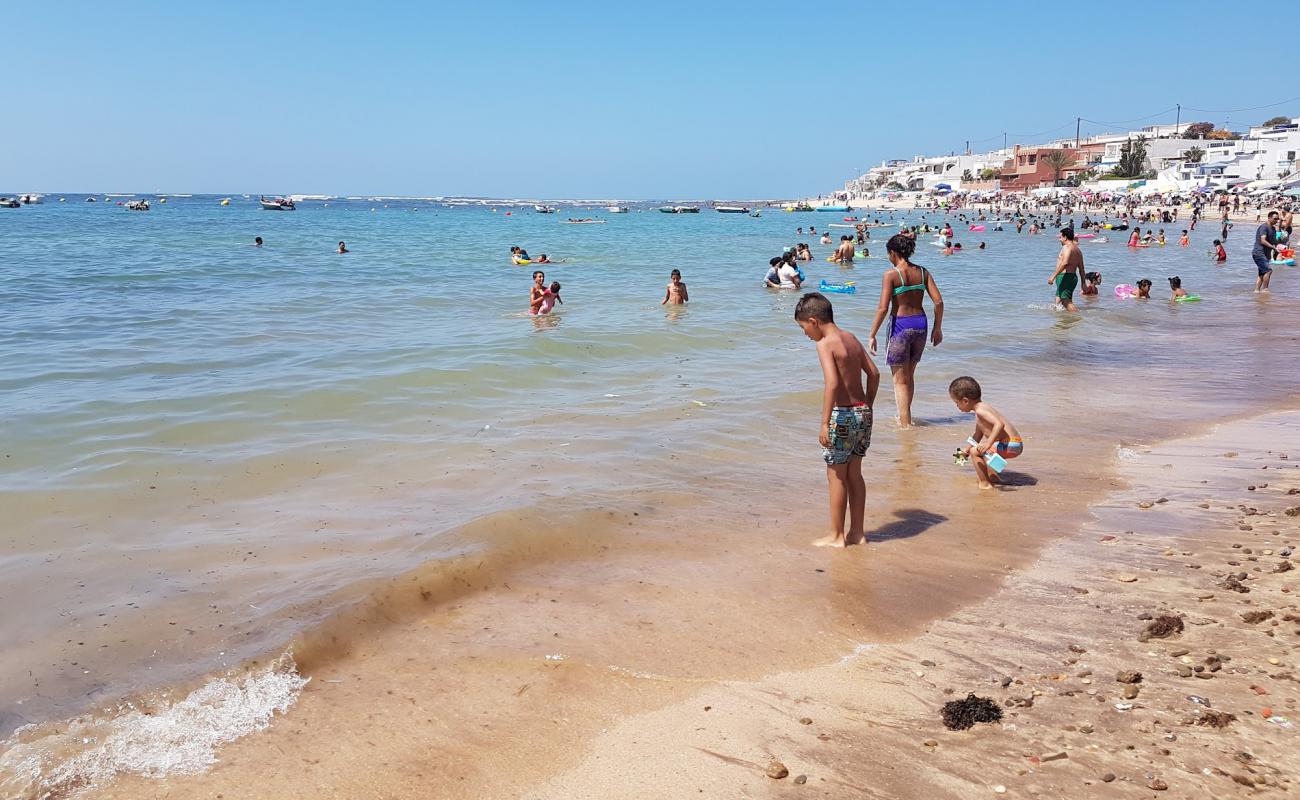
[138, 205]
[31, 199]
[731, 209]
[541, 209]
[617, 209]
[276, 204]
[680, 209]
[8, 202]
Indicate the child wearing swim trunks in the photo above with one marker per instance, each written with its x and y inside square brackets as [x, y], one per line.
[993, 433]
[846, 418]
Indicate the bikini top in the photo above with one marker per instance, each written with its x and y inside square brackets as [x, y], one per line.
[903, 280]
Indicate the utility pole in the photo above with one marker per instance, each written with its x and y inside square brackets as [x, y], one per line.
[1004, 140]
[1077, 120]
[1178, 119]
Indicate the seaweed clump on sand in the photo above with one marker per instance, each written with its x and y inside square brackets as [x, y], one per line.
[1162, 627]
[958, 715]
[1216, 719]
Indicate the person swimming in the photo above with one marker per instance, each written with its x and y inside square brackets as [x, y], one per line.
[343, 248]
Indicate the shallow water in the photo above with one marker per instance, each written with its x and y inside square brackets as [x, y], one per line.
[203, 438]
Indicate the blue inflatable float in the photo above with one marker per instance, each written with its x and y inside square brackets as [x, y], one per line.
[838, 288]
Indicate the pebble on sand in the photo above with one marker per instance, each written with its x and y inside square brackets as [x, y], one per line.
[776, 770]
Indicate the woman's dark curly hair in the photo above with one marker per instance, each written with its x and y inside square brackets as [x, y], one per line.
[903, 245]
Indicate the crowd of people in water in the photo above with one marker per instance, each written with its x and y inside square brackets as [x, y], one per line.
[847, 408]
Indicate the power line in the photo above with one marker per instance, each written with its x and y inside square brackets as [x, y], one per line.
[1131, 121]
[1239, 110]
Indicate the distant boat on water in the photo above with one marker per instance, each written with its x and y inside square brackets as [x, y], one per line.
[32, 199]
[9, 202]
[731, 209]
[680, 209]
[617, 209]
[138, 205]
[276, 204]
[541, 209]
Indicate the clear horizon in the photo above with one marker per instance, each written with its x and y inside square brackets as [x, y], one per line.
[583, 101]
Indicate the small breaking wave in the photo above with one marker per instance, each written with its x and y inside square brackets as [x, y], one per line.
[153, 739]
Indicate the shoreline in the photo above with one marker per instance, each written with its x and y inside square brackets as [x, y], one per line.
[1066, 631]
[578, 691]
[657, 593]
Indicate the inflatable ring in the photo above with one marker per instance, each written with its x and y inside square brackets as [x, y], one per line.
[1188, 298]
[1125, 290]
[1286, 262]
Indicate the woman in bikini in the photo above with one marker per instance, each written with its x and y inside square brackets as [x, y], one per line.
[902, 293]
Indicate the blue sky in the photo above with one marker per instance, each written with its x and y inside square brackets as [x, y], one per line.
[578, 99]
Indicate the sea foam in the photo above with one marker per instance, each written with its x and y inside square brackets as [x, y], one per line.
[180, 738]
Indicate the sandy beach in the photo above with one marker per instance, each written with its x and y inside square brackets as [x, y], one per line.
[542, 715]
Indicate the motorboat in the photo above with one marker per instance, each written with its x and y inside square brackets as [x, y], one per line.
[731, 209]
[9, 202]
[91, 200]
[617, 209]
[32, 199]
[799, 207]
[276, 203]
[541, 209]
[680, 209]
[138, 205]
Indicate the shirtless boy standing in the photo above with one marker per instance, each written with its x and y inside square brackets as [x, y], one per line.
[845, 431]
[537, 293]
[1069, 271]
[676, 294]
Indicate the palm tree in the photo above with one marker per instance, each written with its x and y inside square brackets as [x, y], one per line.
[1194, 155]
[1058, 160]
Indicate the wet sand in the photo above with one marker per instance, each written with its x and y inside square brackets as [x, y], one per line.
[1204, 532]
[557, 664]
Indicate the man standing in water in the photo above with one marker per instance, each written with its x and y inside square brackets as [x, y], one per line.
[1265, 245]
[1069, 269]
[844, 253]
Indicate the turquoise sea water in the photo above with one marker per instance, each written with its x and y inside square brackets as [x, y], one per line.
[189, 419]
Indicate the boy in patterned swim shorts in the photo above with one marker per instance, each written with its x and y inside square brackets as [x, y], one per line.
[845, 432]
